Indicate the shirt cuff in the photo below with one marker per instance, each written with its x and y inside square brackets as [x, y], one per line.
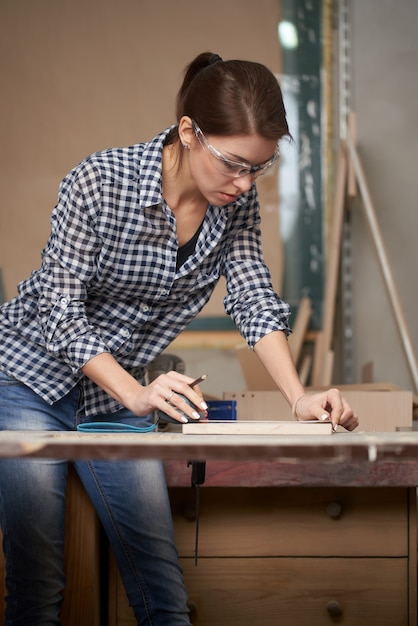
[82, 349]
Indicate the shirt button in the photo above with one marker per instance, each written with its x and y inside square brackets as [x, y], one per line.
[163, 292]
[145, 308]
[125, 332]
[64, 301]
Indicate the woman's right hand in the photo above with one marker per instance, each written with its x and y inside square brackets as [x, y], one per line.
[162, 394]
[168, 393]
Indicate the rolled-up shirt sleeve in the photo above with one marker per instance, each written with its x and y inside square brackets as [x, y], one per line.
[251, 300]
[67, 332]
[69, 263]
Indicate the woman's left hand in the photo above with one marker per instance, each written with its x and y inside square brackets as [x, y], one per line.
[326, 405]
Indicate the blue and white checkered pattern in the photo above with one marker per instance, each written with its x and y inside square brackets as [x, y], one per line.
[108, 279]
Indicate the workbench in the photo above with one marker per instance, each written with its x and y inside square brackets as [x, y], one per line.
[313, 529]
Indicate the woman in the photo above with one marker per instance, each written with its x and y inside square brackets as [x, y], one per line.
[139, 239]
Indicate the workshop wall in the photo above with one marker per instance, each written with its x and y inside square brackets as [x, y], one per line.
[82, 76]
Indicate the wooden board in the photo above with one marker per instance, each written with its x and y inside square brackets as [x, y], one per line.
[257, 427]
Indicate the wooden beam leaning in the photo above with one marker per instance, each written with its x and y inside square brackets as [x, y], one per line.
[321, 374]
[390, 284]
[300, 328]
[351, 174]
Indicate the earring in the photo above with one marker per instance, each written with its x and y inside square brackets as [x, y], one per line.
[186, 146]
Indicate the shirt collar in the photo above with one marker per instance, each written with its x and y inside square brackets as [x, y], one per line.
[150, 170]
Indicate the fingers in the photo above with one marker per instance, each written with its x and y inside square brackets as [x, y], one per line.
[348, 419]
[172, 394]
[340, 411]
[184, 409]
[328, 405]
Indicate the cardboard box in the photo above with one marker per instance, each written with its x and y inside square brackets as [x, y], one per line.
[379, 409]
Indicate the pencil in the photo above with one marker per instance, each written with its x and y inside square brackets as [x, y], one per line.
[198, 380]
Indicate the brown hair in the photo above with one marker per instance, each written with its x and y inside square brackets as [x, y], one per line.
[231, 98]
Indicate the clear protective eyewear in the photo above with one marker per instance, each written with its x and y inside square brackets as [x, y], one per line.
[228, 167]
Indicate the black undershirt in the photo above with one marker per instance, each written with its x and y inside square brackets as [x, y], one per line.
[187, 249]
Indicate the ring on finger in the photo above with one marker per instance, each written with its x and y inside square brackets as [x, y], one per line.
[170, 396]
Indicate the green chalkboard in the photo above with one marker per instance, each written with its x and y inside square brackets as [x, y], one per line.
[301, 201]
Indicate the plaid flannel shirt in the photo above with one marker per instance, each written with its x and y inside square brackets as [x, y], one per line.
[108, 280]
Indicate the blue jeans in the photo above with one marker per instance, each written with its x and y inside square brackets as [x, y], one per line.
[130, 498]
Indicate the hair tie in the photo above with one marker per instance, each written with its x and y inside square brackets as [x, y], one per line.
[215, 58]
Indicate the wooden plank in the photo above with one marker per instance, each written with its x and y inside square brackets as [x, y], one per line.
[305, 369]
[327, 368]
[300, 328]
[351, 175]
[248, 427]
[325, 336]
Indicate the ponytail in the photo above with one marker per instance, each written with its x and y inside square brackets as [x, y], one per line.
[231, 98]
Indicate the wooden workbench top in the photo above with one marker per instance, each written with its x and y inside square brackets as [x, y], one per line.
[358, 459]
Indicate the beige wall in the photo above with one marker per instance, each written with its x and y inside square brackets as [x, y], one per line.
[82, 75]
